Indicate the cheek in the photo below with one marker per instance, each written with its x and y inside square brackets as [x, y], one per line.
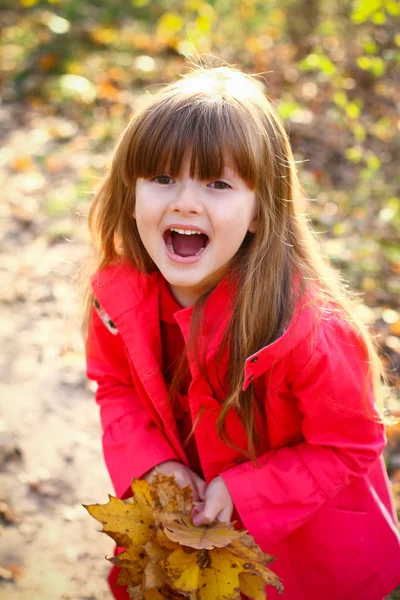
[232, 234]
[144, 211]
[238, 222]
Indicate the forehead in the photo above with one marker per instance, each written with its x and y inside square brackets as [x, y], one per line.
[189, 166]
[210, 140]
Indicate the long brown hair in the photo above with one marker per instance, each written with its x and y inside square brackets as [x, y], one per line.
[220, 114]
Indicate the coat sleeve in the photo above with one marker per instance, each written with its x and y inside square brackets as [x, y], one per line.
[132, 443]
[343, 437]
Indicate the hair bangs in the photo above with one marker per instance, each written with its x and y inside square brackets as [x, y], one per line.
[214, 135]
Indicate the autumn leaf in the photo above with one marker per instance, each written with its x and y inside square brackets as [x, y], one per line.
[173, 502]
[136, 593]
[252, 586]
[168, 558]
[215, 573]
[208, 537]
[247, 548]
[163, 541]
[132, 563]
[166, 593]
[183, 569]
[139, 565]
[127, 523]
[155, 551]
[153, 577]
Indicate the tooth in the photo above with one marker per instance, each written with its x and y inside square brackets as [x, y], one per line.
[185, 231]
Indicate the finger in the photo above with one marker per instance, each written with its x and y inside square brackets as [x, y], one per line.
[197, 508]
[224, 516]
[208, 514]
[182, 479]
[149, 475]
[200, 484]
[195, 493]
[203, 518]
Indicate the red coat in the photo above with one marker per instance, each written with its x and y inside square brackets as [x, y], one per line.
[320, 498]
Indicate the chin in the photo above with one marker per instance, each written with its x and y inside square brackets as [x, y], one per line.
[184, 283]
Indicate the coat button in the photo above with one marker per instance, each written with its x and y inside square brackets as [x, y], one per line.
[251, 377]
[255, 359]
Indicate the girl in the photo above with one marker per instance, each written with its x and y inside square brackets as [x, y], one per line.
[224, 348]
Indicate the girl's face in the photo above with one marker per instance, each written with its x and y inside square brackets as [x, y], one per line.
[192, 228]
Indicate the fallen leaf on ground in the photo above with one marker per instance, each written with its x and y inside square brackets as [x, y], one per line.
[5, 574]
[6, 513]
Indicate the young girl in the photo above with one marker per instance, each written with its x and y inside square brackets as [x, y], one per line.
[223, 345]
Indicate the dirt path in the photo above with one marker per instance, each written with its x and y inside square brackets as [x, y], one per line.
[49, 448]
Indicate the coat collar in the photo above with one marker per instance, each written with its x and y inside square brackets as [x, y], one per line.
[121, 288]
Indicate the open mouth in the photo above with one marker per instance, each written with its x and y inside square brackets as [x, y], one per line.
[185, 242]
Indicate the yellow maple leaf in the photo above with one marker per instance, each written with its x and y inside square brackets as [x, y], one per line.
[153, 577]
[252, 586]
[173, 502]
[162, 540]
[136, 593]
[140, 566]
[167, 557]
[247, 548]
[166, 593]
[207, 536]
[132, 563]
[128, 524]
[215, 573]
[155, 551]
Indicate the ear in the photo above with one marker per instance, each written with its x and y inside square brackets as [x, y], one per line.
[253, 226]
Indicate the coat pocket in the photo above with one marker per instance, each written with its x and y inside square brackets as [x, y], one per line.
[334, 553]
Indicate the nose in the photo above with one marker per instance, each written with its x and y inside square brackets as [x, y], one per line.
[187, 199]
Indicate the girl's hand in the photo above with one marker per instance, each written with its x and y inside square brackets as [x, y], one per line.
[217, 504]
[183, 477]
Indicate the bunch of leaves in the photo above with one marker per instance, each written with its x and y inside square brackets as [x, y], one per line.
[166, 556]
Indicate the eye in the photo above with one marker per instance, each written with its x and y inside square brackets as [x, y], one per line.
[220, 185]
[163, 179]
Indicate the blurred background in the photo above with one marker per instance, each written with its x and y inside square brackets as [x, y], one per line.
[71, 73]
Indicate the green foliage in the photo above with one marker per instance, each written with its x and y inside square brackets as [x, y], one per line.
[373, 64]
[374, 10]
[318, 61]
